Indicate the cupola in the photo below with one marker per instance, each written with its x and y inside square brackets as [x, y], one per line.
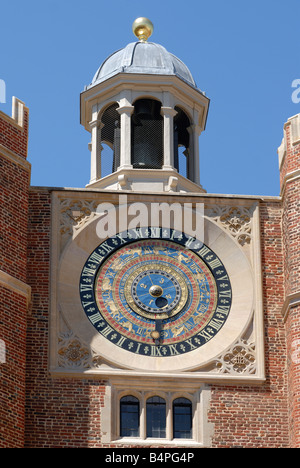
[144, 105]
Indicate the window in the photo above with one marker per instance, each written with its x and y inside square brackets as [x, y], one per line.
[175, 418]
[156, 417]
[182, 419]
[129, 417]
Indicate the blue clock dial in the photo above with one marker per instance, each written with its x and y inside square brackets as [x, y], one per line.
[148, 292]
[156, 291]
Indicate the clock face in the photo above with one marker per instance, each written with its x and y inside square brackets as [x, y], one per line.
[155, 292]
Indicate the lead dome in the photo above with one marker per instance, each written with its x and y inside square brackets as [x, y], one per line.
[147, 58]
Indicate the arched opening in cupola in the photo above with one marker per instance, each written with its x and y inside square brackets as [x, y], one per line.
[147, 135]
[181, 142]
[110, 139]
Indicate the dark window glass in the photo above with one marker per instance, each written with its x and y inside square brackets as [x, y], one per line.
[110, 140]
[147, 135]
[129, 417]
[182, 419]
[182, 143]
[156, 417]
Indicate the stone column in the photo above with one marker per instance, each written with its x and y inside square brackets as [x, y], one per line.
[96, 148]
[125, 143]
[193, 164]
[168, 114]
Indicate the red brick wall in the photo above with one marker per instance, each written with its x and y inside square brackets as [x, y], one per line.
[293, 343]
[12, 136]
[291, 162]
[257, 416]
[59, 412]
[14, 183]
[291, 233]
[291, 238]
[12, 373]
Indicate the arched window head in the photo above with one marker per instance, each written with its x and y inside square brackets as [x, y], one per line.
[181, 142]
[147, 135]
[156, 417]
[182, 419]
[110, 136]
[129, 417]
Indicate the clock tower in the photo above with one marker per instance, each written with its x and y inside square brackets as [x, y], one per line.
[155, 284]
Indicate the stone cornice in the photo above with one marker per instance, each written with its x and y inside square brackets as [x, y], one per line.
[15, 158]
[292, 300]
[15, 285]
[290, 177]
[213, 196]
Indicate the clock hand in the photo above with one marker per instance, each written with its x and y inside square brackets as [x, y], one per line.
[157, 332]
[149, 276]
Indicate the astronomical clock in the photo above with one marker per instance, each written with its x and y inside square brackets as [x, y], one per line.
[155, 300]
[152, 295]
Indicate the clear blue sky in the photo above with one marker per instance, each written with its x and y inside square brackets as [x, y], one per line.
[244, 55]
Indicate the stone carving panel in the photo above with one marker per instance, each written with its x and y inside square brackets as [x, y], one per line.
[239, 359]
[71, 353]
[237, 220]
[73, 215]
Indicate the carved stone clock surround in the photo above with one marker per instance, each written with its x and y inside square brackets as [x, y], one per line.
[232, 227]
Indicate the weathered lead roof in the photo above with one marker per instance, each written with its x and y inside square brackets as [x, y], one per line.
[145, 58]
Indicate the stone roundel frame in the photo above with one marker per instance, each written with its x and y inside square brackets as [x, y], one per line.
[238, 268]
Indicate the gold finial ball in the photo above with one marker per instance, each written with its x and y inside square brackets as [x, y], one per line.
[142, 29]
